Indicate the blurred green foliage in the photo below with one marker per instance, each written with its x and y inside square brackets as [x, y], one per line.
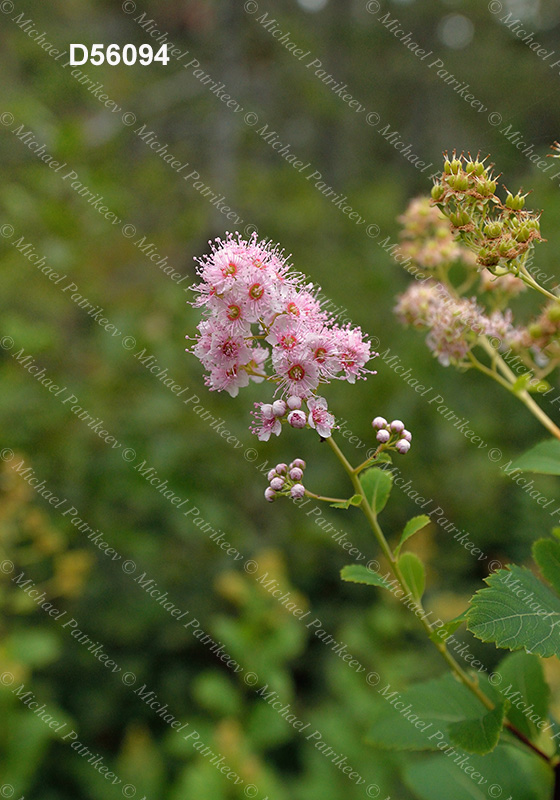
[144, 303]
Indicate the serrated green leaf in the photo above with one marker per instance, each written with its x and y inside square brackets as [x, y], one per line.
[543, 458]
[377, 484]
[412, 526]
[518, 773]
[546, 553]
[355, 500]
[357, 573]
[410, 718]
[521, 679]
[413, 573]
[383, 458]
[516, 611]
[482, 734]
[448, 628]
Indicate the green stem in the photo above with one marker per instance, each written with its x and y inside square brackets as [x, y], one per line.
[523, 394]
[456, 668]
[528, 279]
[325, 499]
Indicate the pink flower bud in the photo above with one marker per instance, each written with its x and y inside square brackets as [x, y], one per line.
[402, 446]
[270, 494]
[298, 462]
[277, 484]
[296, 474]
[297, 490]
[279, 408]
[281, 469]
[294, 402]
[397, 426]
[379, 422]
[297, 419]
[407, 435]
[266, 411]
[383, 436]
[271, 474]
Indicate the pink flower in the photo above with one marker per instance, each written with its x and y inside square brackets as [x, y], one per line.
[320, 418]
[297, 371]
[266, 423]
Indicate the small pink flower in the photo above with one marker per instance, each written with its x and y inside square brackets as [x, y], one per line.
[320, 418]
[266, 423]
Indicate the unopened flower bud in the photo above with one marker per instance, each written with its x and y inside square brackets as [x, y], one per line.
[402, 446]
[296, 474]
[379, 422]
[397, 426]
[281, 469]
[270, 494]
[297, 491]
[298, 462]
[272, 474]
[407, 435]
[277, 484]
[294, 402]
[266, 411]
[279, 408]
[383, 436]
[297, 419]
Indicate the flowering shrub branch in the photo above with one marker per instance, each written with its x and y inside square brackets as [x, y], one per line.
[263, 322]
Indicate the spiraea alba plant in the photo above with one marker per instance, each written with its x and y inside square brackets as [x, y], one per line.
[262, 322]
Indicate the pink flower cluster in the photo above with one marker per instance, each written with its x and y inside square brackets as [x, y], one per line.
[261, 315]
[453, 324]
[427, 238]
[270, 416]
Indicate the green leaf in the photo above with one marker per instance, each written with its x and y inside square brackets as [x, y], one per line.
[355, 500]
[546, 553]
[412, 719]
[383, 458]
[377, 484]
[413, 573]
[516, 611]
[448, 628]
[412, 526]
[482, 734]
[517, 772]
[521, 679]
[356, 573]
[544, 458]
